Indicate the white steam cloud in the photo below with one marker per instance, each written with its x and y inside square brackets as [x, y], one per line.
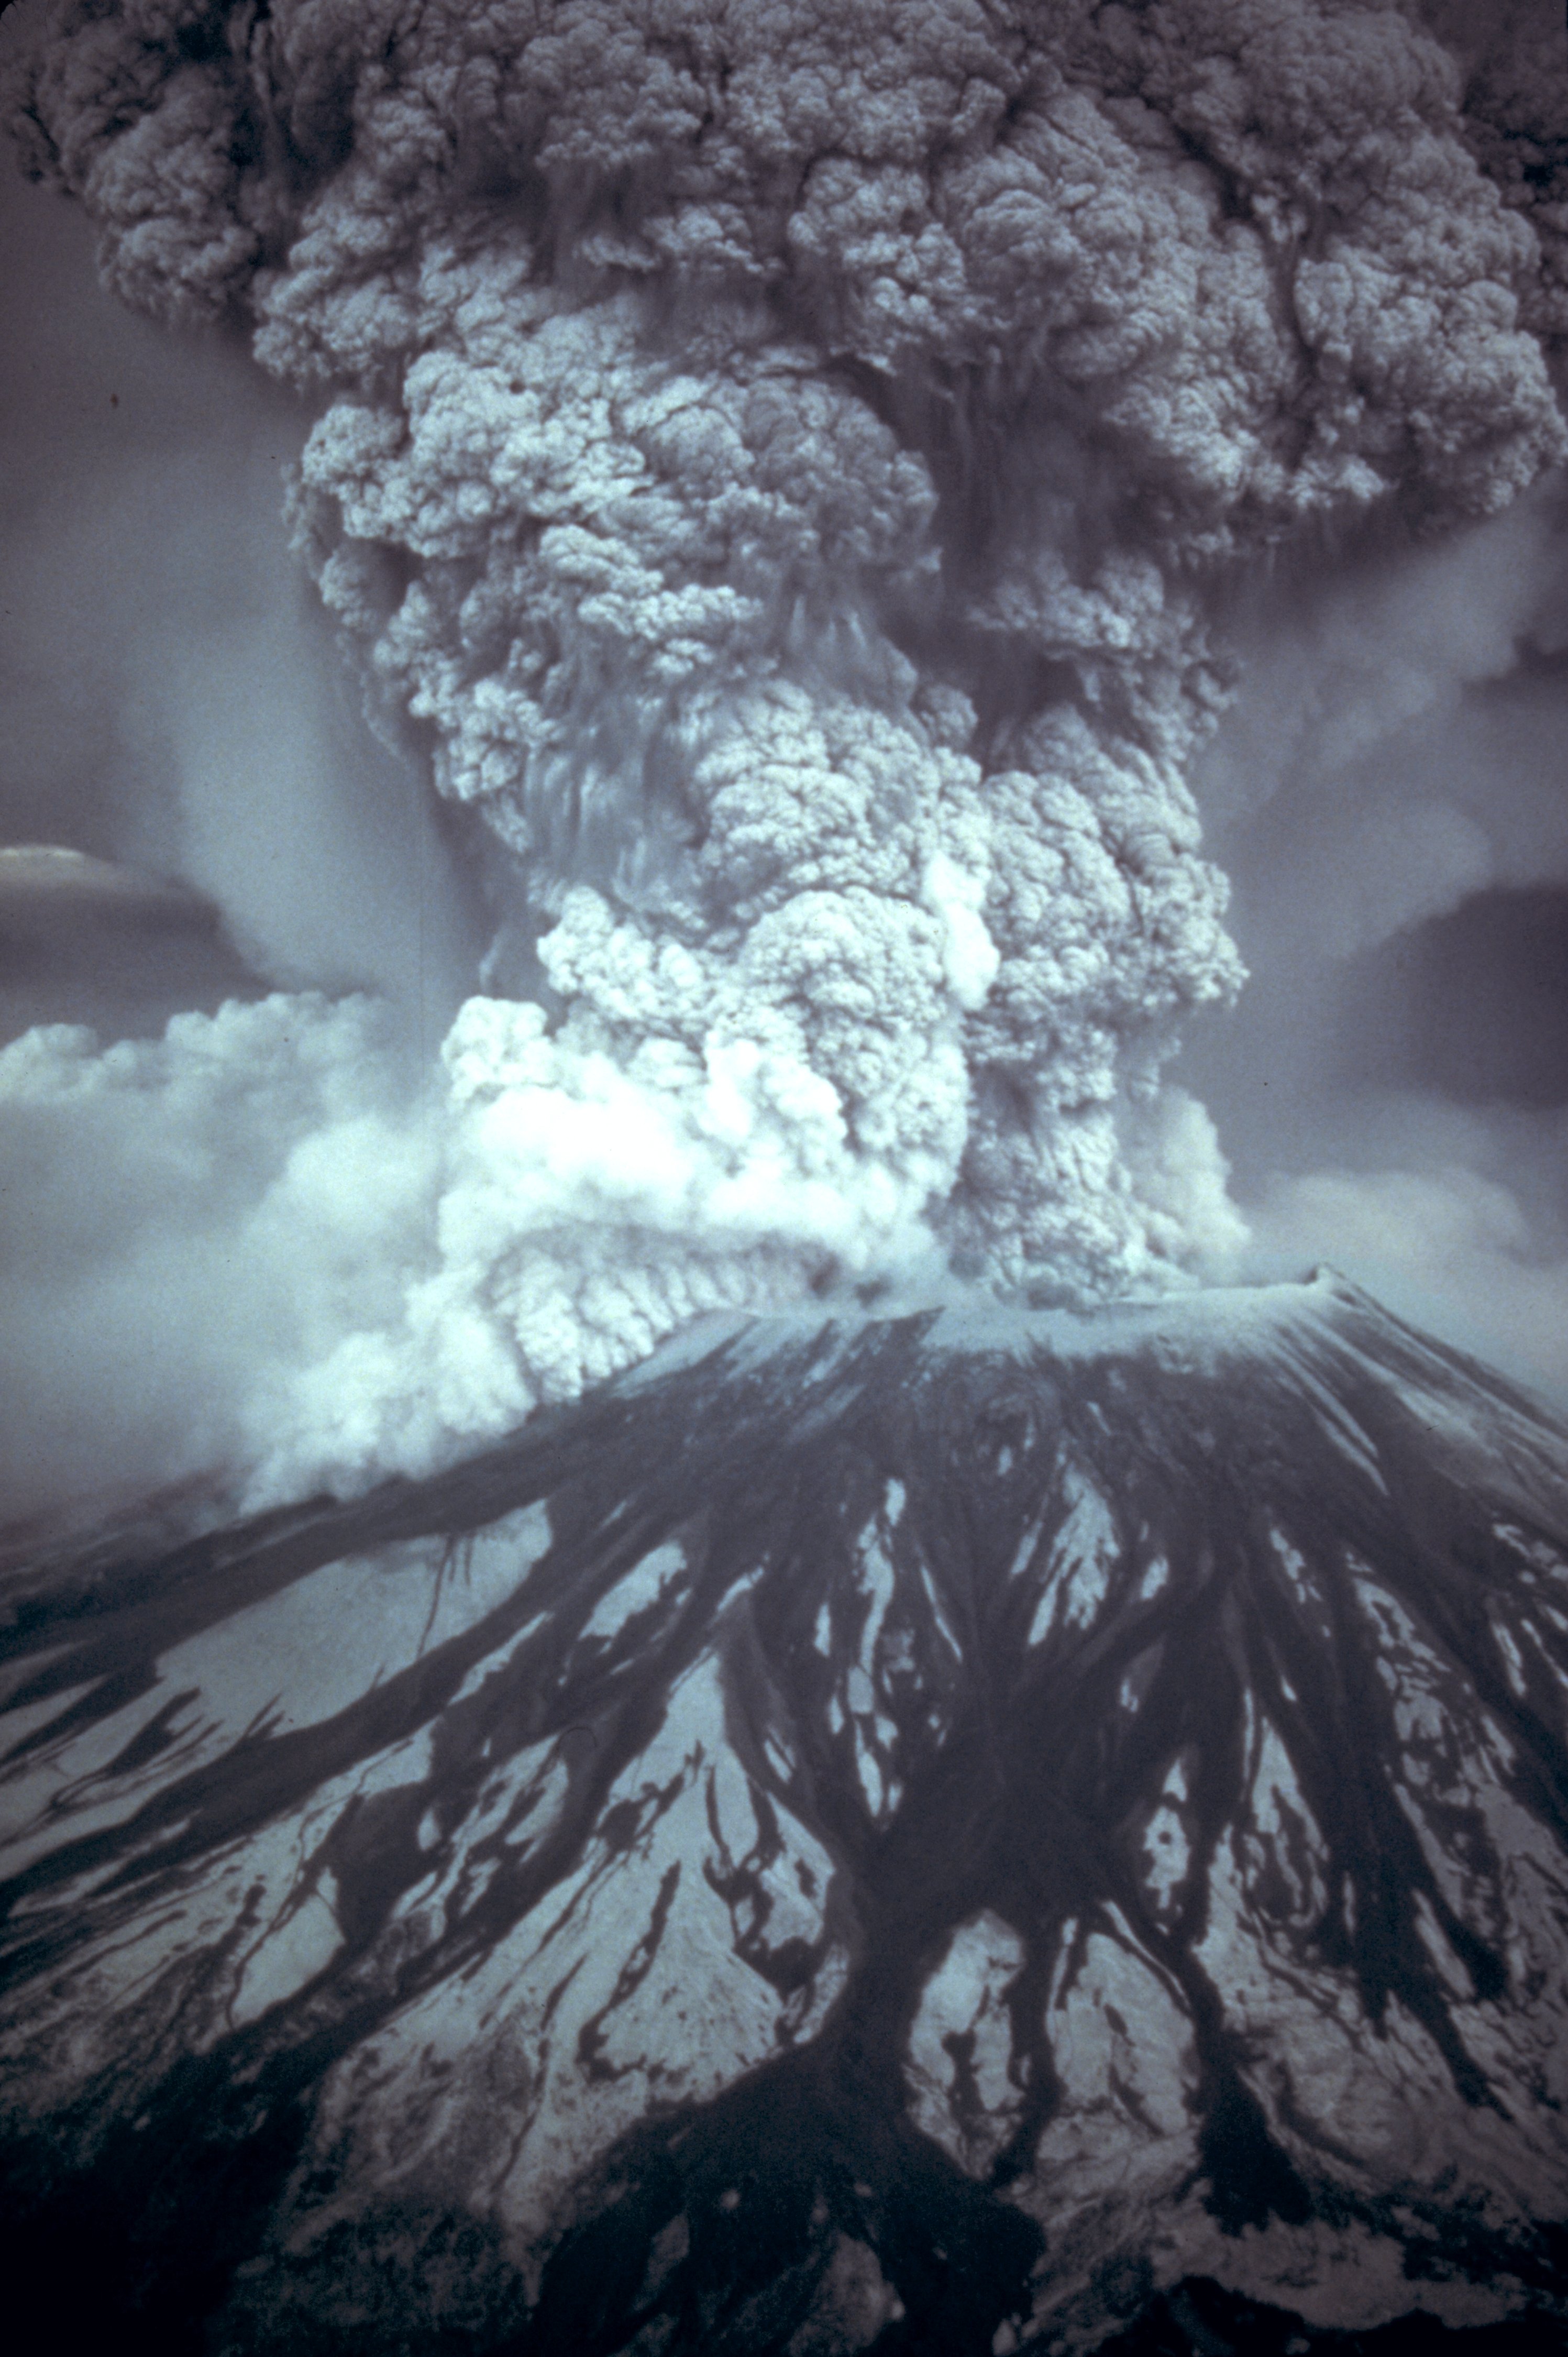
[777, 465]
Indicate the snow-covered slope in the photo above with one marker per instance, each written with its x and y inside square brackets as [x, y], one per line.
[913, 1831]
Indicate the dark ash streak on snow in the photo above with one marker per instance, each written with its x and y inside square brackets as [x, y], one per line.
[886, 1516]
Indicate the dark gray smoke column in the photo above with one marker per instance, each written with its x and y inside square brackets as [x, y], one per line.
[775, 462]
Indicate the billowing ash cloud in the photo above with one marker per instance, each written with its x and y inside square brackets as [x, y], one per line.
[776, 458]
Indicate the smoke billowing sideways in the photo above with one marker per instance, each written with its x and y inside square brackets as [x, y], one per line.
[799, 481]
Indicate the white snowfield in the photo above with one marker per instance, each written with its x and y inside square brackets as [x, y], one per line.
[1090, 1795]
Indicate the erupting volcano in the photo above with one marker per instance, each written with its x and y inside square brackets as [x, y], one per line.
[699, 1662]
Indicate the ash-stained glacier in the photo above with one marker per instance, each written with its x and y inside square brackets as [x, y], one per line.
[944, 1827]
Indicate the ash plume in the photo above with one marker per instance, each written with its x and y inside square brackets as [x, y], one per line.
[779, 465]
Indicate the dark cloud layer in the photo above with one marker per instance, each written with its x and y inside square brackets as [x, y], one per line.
[1475, 1003]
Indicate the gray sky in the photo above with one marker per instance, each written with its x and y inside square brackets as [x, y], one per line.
[1389, 798]
[172, 696]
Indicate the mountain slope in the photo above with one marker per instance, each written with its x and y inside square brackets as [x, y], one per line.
[917, 1831]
